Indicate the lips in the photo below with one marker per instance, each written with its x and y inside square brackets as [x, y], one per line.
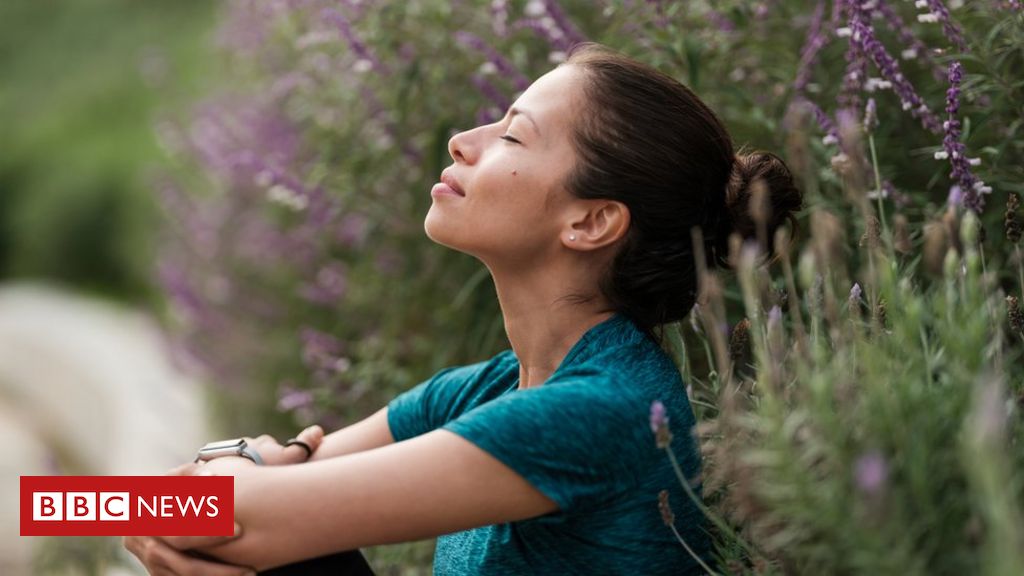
[452, 183]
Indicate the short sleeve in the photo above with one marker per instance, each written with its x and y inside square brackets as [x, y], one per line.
[580, 441]
[440, 398]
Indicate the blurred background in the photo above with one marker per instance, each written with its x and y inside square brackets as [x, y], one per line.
[86, 386]
[211, 225]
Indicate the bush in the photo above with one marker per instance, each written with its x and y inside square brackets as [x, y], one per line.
[859, 418]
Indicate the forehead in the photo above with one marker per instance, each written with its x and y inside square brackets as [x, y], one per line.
[553, 97]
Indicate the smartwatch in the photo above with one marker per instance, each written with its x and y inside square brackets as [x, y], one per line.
[234, 447]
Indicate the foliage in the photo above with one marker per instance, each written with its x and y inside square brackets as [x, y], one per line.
[858, 419]
[81, 83]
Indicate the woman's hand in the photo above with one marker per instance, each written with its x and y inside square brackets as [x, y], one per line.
[273, 453]
[168, 557]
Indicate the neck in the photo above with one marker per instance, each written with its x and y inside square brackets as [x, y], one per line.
[540, 327]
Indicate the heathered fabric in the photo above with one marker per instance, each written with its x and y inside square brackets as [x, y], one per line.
[583, 438]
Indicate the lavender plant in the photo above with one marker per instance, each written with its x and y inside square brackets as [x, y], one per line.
[856, 401]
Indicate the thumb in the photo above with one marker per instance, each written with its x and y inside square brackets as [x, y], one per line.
[312, 436]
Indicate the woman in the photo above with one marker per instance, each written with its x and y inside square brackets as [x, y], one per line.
[540, 460]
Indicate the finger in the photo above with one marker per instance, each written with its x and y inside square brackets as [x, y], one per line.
[205, 471]
[133, 545]
[189, 542]
[204, 568]
[187, 469]
[161, 558]
[266, 438]
[304, 444]
[313, 436]
[148, 552]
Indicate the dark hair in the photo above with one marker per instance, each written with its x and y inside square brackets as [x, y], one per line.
[646, 140]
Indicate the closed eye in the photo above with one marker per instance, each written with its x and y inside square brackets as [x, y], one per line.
[510, 139]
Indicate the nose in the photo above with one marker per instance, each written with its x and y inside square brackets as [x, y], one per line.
[460, 147]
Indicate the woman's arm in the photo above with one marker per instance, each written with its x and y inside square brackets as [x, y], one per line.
[426, 486]
[367, 434]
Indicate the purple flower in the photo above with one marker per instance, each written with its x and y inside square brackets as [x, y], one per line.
[816, 39]
[855, 292]
[856, 61]
[499, 17]
[491, 92]
[916, 48]
[863, 35]
[721, 21]
[320, 351]
[870, 116]
[378, 112]
[938, 13]
[824, 121]
[658, 417]
[546, 18]
[956, 196]
[571, 33]
[177, 286]
[659, 425]
[290, 398]
[849, 123]
[505, 68]
[358, 46]
[330, 285]
[970, 187]
[352, 229]
[899, 199]
[870, 472]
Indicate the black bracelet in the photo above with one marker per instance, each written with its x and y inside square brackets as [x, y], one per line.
[294, 442]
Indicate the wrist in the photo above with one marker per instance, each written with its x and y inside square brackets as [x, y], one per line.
[226, 466]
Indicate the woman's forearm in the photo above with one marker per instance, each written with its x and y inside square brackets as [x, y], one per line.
[292, 513]
[367, 434]
[433, 484]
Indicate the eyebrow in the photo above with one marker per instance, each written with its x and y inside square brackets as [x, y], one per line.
[513, 111]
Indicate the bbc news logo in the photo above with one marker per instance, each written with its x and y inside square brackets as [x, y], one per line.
[127, 505]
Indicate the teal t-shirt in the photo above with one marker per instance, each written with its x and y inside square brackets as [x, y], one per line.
[583, 438]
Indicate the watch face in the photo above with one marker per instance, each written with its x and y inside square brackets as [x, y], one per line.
[221, 448]
[224, 444]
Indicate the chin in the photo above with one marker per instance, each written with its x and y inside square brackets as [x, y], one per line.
[440, 233]
[436, 231]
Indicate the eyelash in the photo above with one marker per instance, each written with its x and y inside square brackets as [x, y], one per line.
[510, 139]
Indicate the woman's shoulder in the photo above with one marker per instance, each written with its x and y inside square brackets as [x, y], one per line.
[641, 366]
[627, 378]
[478, 382]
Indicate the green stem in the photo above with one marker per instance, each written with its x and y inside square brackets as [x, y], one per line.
[703, 508]
[1020, 268]
[927, 357]
[695, 557]
[881, 205]
[704, 404]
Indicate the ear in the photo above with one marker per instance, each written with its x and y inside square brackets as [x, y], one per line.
[599, 223]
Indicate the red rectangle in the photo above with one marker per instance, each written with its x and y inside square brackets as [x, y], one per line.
[127, 505]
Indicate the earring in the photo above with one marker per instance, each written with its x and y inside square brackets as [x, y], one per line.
[572, 236]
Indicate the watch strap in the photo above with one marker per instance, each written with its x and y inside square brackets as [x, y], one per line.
[251, 454]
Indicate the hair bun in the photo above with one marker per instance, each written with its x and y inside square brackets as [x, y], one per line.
[740, 215]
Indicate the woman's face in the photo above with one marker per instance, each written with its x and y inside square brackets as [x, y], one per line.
[512, 171]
